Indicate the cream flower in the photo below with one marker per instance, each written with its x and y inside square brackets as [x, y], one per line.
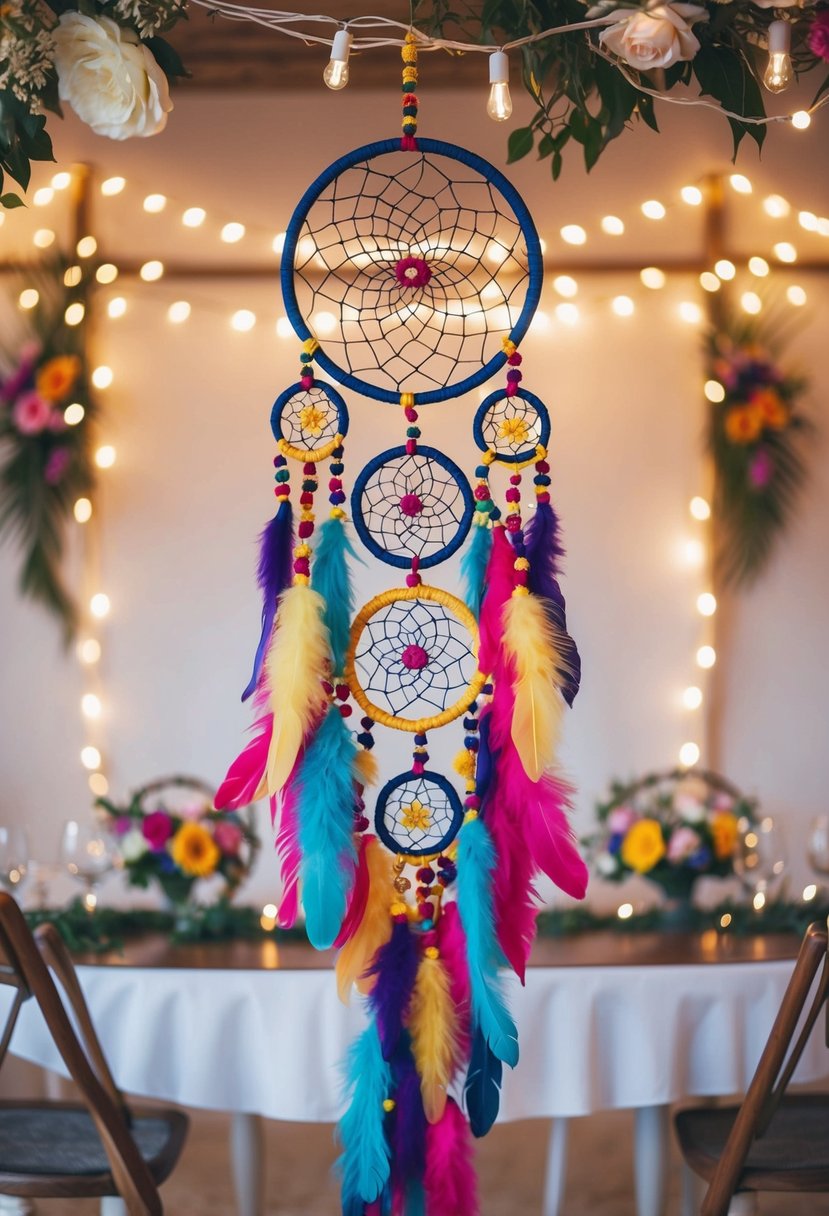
[110, 79]
[654, 38]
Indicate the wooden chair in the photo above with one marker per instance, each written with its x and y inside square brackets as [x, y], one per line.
[772, 1141]
[63, 1149]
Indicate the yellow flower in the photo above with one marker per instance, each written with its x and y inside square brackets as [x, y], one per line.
[514, 430]
[194, 850]
[743, 423]
[643, 846]
[312, 420]
[416, 816]
[772, 409]
[724, 833]
[56, 379]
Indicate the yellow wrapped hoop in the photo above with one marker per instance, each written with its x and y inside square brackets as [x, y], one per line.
[313, 454]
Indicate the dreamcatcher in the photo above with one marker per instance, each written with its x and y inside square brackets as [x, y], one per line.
[429, 268]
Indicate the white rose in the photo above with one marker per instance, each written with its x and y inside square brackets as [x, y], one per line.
[133, 845]
[606, 864]
[654, 38]
[110, 79]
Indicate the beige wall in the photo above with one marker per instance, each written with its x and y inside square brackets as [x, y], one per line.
[188, 413]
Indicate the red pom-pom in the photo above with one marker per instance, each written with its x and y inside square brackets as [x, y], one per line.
[306, 529]
[514, 360]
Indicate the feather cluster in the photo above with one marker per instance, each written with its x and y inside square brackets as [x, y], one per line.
[535, 658]
[395, 967]
[451, 1187]
[357, 956]
[273, 576]
[474, 564]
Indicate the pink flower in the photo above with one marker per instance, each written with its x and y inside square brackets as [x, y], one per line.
[31, 413]
[620, 819]
[761, 469]
[121, 825]
[819, 36]
[157, 828]
[56, 465]
[683, 842]
[228, 837]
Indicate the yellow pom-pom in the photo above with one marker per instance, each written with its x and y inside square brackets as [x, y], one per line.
[398, 909]
[301, 579]
[302, 551]
[508, 346]
[464, 765]
[409, 121]
[389, 1105]
[471, 786]
[519, 590]
[337, 513]
[432, 952]
[521, 563]
[409, 75]
[309, 346]
[469, 816]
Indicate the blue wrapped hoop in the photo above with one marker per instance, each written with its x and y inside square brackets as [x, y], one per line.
[402, 509]
[418, 815]
[309, 424]
[412, 267]
[523, 419]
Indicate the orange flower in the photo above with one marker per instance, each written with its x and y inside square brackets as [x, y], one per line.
[194, 850]
[743, 423]
[772, 408]
[724, 834]
[643, 846]
[56, 379]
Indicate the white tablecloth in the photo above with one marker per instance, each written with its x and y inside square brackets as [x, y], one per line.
[271, 1042]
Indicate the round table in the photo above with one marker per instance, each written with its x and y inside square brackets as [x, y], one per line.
[606, 1021]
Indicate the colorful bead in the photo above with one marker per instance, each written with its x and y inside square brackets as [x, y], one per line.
[420, 740]
[515, 359]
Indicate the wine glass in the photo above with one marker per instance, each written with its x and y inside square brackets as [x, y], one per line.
[88, 853]
[818, 844]
[760, 857]
[14, 858]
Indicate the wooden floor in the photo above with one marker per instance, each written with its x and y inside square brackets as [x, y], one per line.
[510, 1167]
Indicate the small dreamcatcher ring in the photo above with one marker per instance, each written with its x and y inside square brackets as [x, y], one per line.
[418, 815]
[375, 253]
[512, 427]
[309, 424]
[414, 648]
[412, 504]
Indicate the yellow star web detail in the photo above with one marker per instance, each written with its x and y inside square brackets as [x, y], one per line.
[416, 816]
[312, 420]
[514, 430]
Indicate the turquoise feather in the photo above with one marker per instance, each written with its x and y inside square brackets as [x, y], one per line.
[325, 809]
[476, 864]
[332, 579]
[365, 1162]
[473, 566]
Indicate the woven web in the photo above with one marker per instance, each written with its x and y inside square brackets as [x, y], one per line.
[392, 516]
[309, 420]
[419, 816]
[433, 208]
[414, 692]
[510, 426]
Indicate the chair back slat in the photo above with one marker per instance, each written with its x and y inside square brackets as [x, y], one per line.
[131, 1174]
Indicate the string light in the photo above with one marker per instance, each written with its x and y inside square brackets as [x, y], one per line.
[759, 267]
[278, 243]
[105, 456]
[72, 276]
[284, 328]
[91, 705]
[751, 303]
[809, 892]
[233, 232]
[568, 314]
[652, 277]
[785, 251]
[102, 376]
[796, 295]
[194, 217]
[89, 651]
[692, 697]
[690, 313]
[623, 306]
[779, 72]
[693, 553]
[82, 510]
[74, 313]
[178, 311]
[61, 180]
[801, 119]
[708, 281]
[336, 70]
[86, 246]
[113, 186]
[106, 273]
[90, 757]
[566, 286]
[74, 413]
[624, 911]
[100, 788]
[706, 603]
[714, 391]
[700, 508]
[807, 220]
[612, 225]
[43, 238]
[652, 209]
[706, 657]
[740, 183]
[688, 754]
[116, 307]
[152, 271]
[99, 605]
[573, 234]
[28, 298]
[155, 203]
[692, 195]
[43, 196]
[776, 207]
[725, 269]
[499, 104]
[243, 320]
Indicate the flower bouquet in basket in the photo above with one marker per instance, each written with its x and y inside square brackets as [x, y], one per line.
[671, 827]
[169, 835]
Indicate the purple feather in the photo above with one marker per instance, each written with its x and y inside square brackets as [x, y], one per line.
[543, 548]
[396, 968]
[409, 1137]
[273, 576]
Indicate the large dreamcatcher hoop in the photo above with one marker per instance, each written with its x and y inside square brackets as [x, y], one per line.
[512, 426]
[412, 504]
[309, 423]
[418, 814]
[423, 262]
[411, 661]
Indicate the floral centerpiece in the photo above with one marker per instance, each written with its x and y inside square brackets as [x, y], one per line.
[672, 828]
[46, 415]
[169, 835]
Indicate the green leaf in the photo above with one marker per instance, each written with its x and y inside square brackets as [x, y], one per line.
[545, 145]
[724, 75]
[646, 112]
[10, 201]
[820, 91]
[520, 144]
[557, 163]
[167, 57]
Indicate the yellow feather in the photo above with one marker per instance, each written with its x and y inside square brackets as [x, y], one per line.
[299, 660]
[374, 931]
[533, 643]
[365, 768]
[434, 1028]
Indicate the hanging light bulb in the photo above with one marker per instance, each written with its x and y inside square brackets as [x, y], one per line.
[336, 72]
[499, 106]
[778, 73]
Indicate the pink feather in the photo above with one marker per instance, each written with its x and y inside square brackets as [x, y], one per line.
[500, 579]
[284, 808]
[245, 774]
[452, 947]
[359, 897]
[450, 1174]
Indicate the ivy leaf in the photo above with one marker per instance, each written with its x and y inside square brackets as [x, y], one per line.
[820, 91]
[10, 201]
[646, 111]
[520, 144]
[167, 57]
[724, 75]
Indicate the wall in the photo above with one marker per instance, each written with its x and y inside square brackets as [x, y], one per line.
[188, 413]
